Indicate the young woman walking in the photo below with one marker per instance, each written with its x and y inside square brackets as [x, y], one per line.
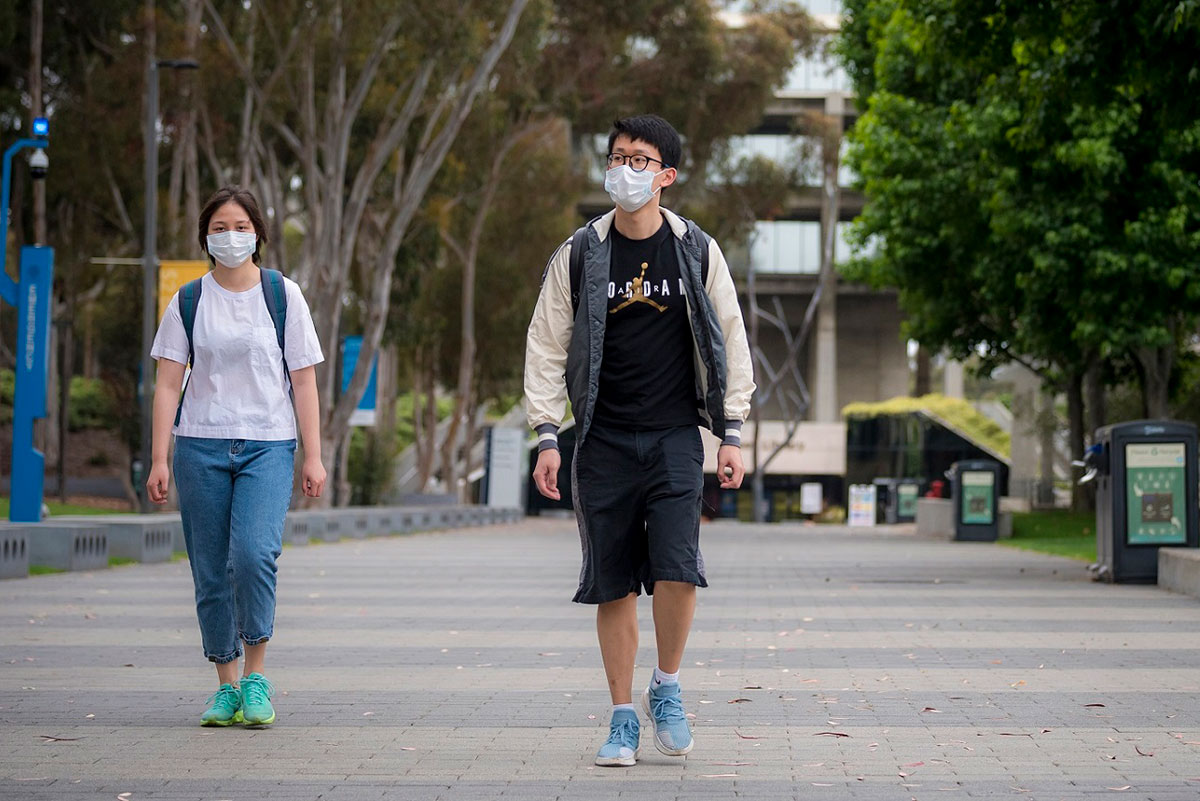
[249, 337]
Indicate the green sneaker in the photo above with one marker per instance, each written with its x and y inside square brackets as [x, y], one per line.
[256, 700]
[226, 707]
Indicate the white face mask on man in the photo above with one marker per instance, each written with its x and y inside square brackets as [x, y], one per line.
[232, 248]
[628, 188]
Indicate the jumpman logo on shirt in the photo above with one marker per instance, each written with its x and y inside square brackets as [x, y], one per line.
[637, 293]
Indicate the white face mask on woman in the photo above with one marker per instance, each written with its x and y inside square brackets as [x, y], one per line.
[232, 248]
[628, 188]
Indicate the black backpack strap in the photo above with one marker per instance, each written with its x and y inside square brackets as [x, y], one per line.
[275, 296]
[703, 241]
[579, 244]
[189, 301]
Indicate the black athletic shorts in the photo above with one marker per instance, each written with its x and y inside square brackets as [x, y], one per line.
[637, 500]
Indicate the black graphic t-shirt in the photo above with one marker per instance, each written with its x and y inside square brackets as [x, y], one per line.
[648, 375]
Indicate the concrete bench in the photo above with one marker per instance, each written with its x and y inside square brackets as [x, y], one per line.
[1179, 570]
[69, 546]
[935, 518]
[142, 538]
[297, 528]
[14, 553]
[358, 522]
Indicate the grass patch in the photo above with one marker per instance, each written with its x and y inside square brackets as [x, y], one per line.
[44, 570]
[118, 561]
[57, 508]
[1070, 534]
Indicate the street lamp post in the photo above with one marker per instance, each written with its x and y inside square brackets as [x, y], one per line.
[150, 265]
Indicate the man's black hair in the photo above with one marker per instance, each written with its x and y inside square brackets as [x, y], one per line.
[653, 130]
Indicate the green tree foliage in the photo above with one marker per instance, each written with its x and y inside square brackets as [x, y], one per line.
[1032, 177]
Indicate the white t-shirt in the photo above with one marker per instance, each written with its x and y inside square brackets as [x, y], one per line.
[237, 388]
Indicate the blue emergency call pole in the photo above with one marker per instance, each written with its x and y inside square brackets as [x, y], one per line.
[30, 294]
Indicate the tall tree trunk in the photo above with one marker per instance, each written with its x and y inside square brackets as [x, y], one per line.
[66, 370]
[1076, 435]
[1156, 367]
[1095, 398]
[1047, 426]
[923, 383]
[425, 413]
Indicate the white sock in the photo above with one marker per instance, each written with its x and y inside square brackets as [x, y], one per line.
[665, 678]
[628, 707]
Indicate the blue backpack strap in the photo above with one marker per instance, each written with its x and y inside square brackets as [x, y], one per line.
[275, 296]
[189, 301]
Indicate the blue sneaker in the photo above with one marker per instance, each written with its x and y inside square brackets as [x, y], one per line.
[256, 700]
[226, 708]
[624, 734]
[664, 707]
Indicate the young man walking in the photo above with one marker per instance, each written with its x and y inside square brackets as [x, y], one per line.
[638, 325]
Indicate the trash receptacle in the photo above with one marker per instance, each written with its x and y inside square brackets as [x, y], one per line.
[897, 499]
[907, 490]
[975, 488]
[885, 491]
[1146, 496]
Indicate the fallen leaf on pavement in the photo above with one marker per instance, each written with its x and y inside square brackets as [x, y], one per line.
[718, 775]
[1099, 705]
[752, 687]
[746, 736]
[831, 734]
[931, 709]
[739, 701]
[1126, 787]
[1143, 753]
[913, 765]
[732, 764]
[50, 739]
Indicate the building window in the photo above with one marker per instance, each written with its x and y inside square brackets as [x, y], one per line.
[786, 246]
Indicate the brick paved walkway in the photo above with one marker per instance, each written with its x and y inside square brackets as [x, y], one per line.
[824, 664]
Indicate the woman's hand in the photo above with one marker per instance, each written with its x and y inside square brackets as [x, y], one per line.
[158, 482]
[312, 476]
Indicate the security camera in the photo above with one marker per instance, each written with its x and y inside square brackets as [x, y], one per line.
[39, 164]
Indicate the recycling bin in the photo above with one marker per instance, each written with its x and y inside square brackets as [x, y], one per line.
[1145, 472]
[897, 499]
[975, 486]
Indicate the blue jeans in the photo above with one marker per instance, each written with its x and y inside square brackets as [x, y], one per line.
[233, 497]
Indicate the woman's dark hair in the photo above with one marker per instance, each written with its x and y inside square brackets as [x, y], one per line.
[243, 198]
[653, 130]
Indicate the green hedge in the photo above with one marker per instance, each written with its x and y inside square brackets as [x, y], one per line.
[91, 405]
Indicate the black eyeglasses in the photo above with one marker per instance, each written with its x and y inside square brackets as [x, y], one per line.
[636, 162]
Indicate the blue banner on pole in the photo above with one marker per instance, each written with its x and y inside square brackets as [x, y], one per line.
[364, 413]
[29, 400]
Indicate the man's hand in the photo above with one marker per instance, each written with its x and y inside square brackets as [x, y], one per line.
[545, 474]
[729, 466]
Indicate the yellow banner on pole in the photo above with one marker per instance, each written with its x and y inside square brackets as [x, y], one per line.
[174, 274]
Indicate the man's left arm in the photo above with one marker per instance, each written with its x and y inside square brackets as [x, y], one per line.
[739, 368]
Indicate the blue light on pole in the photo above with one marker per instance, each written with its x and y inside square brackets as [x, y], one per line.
[41, 127]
